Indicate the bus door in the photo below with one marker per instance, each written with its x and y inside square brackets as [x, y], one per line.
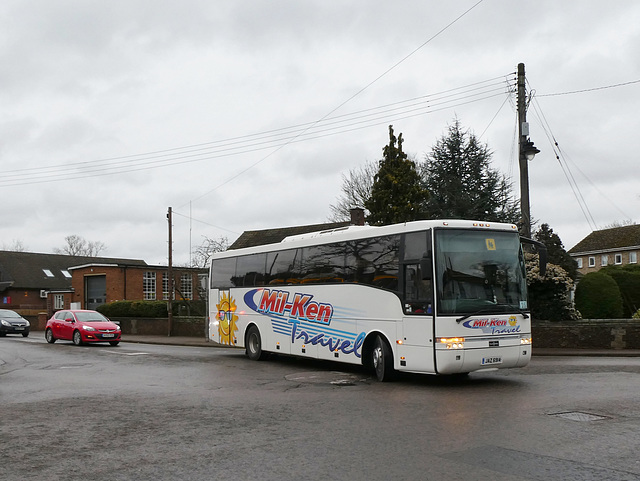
[416, 352]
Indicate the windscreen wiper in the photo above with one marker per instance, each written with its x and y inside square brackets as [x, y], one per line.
[467, 316]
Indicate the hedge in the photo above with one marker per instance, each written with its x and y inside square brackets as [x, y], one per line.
[152, 308]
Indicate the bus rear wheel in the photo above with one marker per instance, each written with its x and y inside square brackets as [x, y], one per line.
[253, 343]
[382, 360]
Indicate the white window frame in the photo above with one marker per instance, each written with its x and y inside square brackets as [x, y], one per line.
[592, 261]
[633, 257]
[604, 260]
[149, 286]
[165, 286]
[186, 286]
[617, 259]
[579, 262]
[58, 301]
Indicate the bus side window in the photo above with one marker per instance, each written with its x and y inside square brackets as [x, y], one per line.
[283, 267]
[223, 273]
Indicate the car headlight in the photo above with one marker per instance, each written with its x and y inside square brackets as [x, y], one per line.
[28, 323]
[88, 328]
[5, 323]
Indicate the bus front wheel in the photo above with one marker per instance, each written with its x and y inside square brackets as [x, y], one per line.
[382, 360]
[254, 344]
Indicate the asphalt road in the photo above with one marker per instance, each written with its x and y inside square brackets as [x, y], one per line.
[153, 412]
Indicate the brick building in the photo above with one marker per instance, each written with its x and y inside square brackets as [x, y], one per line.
[31, 283]
[98, 283]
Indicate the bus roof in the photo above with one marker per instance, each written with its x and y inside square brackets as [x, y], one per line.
[362, 232]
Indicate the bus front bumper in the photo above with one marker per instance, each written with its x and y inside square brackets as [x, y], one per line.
[453, 361]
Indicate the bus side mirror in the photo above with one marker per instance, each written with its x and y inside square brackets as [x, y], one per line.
[542, 253]
[426, 268]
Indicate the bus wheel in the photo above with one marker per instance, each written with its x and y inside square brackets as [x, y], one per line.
[254, 344]
[382, 360]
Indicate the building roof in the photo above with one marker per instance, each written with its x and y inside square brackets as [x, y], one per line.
[627, 236]
[253, 238]
[28, 270]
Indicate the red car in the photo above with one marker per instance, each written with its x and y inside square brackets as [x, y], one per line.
[81, 327]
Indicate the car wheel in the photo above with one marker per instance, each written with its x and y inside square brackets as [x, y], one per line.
[48, 335]
[382, 360]
[25, 334]
[77, 338]
[254, 344]
[114, 343]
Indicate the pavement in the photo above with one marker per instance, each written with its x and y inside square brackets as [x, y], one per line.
[537, 351]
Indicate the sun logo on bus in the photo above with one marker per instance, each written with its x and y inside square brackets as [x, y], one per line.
[227, 318]
[513, 321]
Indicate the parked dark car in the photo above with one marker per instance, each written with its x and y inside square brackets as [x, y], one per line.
[13, 323]
[82, 326]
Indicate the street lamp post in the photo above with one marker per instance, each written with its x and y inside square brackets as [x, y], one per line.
[527, 151]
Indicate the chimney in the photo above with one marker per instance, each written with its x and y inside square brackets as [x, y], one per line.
[357, 216]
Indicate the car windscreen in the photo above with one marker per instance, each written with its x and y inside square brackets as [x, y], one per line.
[91, 317]
[6, 314]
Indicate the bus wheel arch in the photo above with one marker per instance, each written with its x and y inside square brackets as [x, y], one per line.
[377, 356]
[253, 343]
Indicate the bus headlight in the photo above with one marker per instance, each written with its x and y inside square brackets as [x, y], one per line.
[525, 340]
[451, 342]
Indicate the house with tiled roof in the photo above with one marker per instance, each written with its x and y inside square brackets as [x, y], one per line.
[253, 238]
[614, 246]
[27, 278]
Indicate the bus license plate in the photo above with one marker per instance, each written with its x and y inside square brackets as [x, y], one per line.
[491, 360]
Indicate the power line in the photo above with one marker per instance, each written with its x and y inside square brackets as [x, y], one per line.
[589, 90]
[575, 188]
[478, 91]
[354, 95]
[166, 157]
[204, 222]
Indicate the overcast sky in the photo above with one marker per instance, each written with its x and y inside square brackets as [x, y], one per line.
[244, 115]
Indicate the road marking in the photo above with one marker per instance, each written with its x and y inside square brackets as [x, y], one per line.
[126, 353]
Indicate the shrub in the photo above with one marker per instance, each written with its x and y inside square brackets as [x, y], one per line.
[628, 280]
[598, 297]
[636, 315]
[549, 296]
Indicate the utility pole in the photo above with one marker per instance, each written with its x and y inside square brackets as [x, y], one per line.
[170, 275]
[523, 132]
[526, 152]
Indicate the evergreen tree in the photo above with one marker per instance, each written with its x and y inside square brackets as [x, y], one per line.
[555, 250]
[462, 184]
[397, 194]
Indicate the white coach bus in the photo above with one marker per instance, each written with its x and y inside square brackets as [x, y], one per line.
[439, 297]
